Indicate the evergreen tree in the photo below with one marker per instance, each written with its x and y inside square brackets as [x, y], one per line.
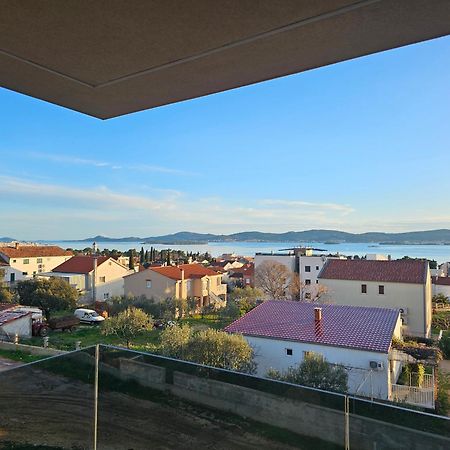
[168, 257]
[146, 257]
[131, 255]
[142, 256]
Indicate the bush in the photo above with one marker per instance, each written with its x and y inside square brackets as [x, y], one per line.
[315, 372]
[444, 344]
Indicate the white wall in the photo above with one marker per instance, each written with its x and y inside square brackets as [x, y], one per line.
[271, 353]
[286, 260]
[441, 289]
[21, 326]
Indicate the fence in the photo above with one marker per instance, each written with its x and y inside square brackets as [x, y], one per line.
[110, 398]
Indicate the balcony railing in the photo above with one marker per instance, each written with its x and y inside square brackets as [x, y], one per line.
[120, 398]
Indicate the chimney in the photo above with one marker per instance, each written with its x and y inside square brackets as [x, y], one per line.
[16, 245]
[182, 275]
[317, 314]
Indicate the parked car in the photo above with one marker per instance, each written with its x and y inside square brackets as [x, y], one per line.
[88, 316]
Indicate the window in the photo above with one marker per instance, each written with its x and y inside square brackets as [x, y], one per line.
[26, 261]
[105, 295]
[289, 352]
[188, 285]
[381, 289]
[364, 289]
[317, 267]
[39, 260]
[307, 268]
[14, 260]
[308, 296]
[317, 281]
[148, 284]
[25, 273]
[307, 282]
[102, 279]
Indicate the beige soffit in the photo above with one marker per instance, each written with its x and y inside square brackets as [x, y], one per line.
[111, 57]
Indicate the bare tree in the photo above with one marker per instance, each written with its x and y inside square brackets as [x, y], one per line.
[273, 278]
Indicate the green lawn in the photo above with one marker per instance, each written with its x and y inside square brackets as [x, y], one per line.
[90, 335]
[20, 356]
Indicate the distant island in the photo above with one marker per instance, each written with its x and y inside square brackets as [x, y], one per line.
[429, 237]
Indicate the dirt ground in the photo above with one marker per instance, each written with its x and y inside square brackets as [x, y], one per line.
[7, 364]
[42, 408]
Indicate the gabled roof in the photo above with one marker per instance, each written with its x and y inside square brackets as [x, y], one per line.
[80, 264]
[190, 271]
[33, 251]
[441, 281]
[397, 271]
[355, 327]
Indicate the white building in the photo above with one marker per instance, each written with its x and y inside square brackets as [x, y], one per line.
[14, 322]
[441, 285]
[283, 333]
[79, 273]
[301, 261]
[404, 284]
[22, 261]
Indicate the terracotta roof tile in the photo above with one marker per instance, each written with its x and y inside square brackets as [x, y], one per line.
[397, 271]
[356, 327]
[190, 271]
[24, 251]
[80, 264]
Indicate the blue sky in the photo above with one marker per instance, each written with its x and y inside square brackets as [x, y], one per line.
[357, 146]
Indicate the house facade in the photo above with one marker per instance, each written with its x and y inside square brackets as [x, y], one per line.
[23, 261]
[79, 273]
[183, 281]
[403, 284]
[284, 333]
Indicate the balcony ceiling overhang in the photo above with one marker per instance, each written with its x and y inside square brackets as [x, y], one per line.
[106, 58]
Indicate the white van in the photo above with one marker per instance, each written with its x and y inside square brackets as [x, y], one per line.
[88, 316]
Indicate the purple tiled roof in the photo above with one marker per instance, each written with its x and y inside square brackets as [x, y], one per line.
[397, 271]
[356, 327]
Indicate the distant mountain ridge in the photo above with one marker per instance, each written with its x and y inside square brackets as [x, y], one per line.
[441, 236]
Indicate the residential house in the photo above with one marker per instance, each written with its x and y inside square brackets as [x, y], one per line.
[243, 276]
[403, 284]
[21, 261]
[183, 281]
[441, 285]
[283, 333]
[79, 273]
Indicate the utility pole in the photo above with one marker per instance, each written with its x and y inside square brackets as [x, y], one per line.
[94, 276]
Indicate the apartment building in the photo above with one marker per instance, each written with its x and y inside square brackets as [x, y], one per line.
[403, 284]
[21, 261]
[183, 281]
[301, 261]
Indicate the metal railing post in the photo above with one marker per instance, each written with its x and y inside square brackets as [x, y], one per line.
[97, 354]
[347, 422]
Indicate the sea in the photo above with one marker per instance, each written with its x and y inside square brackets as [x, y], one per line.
[439, 253]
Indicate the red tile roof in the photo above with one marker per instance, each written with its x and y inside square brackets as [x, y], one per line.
[190, 271]
[25, 251]
[397, 271]
[79, 264]
[442, 281]
[356, 327]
